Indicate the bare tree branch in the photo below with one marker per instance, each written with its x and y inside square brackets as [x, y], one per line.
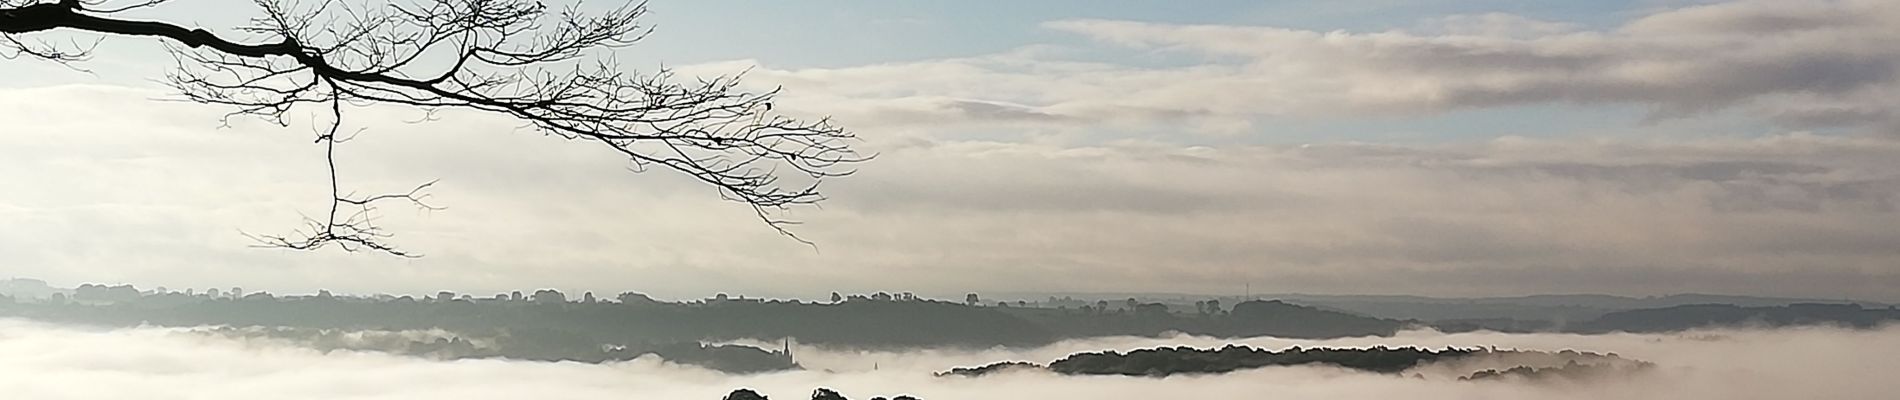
[511, 57]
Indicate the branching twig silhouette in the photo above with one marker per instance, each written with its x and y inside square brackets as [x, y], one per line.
[511, 57]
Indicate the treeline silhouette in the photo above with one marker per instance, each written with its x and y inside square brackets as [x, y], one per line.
[1571, 371]
[528, 344]
[1167, 361]
[878, 321]
[1246, 319]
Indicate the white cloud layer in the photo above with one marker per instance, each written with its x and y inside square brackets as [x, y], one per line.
[48, 362]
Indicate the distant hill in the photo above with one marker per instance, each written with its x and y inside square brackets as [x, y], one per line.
[860, 322]
[1252, 318]
[518, 344]
[863, 323]
[1686, 317]
[883, 320]
[24, 288]
[1544, 310]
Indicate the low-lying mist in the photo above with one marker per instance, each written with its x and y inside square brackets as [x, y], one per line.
[41, 361]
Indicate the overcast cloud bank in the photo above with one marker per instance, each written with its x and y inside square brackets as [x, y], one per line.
[1027, 172]
[157, 196]
[1797, 64]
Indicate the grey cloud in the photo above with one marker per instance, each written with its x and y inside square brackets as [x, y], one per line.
[1803, 116]
[1359, 211]
[1772, 59]
[1005, 179]
[1497, 25]
[1740, 185]
[1708, 171]
[995, 111]
[1700, 88]
[1761, 17]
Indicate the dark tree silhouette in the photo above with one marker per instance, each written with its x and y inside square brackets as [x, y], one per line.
[510, 57]
[745, 394]
[1167, 361]
[826, 394]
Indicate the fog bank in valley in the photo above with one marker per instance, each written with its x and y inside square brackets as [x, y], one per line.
[40, 361]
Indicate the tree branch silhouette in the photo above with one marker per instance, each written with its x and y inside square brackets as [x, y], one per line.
[511, 57]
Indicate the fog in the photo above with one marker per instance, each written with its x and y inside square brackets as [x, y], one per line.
[40, 361]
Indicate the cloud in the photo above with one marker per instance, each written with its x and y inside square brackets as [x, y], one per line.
[53, 362]
[1806, 65]
[157, 196]
[1497, 25]
[1018, 172]
[1542, 215]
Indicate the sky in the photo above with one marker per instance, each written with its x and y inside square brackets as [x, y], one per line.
[1445, 148]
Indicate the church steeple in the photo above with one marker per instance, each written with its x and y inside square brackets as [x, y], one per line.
[788, 352]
